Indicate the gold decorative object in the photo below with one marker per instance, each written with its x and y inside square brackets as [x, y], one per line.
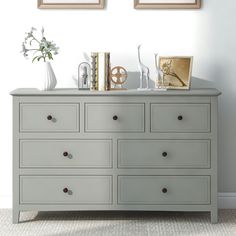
[118, 77]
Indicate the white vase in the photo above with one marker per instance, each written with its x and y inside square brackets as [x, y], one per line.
[50, 80]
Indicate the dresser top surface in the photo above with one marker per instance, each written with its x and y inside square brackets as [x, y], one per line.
[134, 92]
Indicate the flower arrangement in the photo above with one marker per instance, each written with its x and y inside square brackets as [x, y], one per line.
[42, 49]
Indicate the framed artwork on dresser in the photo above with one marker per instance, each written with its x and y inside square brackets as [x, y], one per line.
[167, 4]
[176, 71]
[71, 4]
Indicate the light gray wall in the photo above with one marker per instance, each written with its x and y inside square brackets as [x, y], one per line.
[208, 34]
[221, 43]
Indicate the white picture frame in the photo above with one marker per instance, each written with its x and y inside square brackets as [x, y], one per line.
[71, 4]
[167, 4]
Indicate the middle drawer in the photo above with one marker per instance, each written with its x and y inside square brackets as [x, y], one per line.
[163, 153]
[66, 153]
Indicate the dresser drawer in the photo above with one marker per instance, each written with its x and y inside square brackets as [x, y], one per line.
[177, 190]
[66, 189]
[180, 118]
[49, 117]
[114, 117]
[163, 153]
[66, 153]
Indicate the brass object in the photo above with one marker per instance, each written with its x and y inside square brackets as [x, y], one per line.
[118, 77]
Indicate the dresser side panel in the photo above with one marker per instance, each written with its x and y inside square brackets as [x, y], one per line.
[15, 162]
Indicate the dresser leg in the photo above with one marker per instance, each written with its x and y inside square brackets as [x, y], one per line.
[15, 216]
[214, 216]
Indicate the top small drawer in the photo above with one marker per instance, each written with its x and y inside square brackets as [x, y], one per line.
[180, 118]
[49, 118]
[113, 117]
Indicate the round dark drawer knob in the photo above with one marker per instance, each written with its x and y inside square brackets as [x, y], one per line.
[65, 154]
[164, 190]
[49, 117]
[180, 117]
[164, 154]
[65, 190]
[115, 117]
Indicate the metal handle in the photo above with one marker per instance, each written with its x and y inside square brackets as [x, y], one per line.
[65, 190]
[164, 190]
[180, 117]
[115, 117]
[164, 154]
[65, 154]
[49, 117]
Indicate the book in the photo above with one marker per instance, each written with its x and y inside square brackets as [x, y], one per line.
[94, 76]
[108, 72]
[100, 71]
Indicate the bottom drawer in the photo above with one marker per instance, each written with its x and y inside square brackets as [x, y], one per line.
[176, 190]
[66, 189]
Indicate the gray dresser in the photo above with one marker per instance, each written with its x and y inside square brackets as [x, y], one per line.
[119, 150]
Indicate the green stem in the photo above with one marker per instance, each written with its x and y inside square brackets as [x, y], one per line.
[44, 57]
[32, 49]
[35, 38]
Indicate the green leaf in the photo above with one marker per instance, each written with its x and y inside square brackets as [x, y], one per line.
[50, 55]
[39, 58]
[31, 41]
[34, 59]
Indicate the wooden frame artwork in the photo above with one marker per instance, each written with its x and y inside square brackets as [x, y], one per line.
[176, 71]
[167, 4]
[71, 4]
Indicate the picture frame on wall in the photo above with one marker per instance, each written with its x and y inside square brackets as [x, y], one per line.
[71, 4]
[167, 4]
[177, 72]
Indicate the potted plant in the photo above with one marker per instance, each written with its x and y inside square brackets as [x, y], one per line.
[41, 50]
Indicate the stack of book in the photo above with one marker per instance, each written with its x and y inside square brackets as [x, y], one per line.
[101, 68]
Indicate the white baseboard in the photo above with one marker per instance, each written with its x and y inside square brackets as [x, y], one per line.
[225, 201]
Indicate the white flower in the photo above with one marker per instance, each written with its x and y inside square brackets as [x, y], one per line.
[24, 50]
[42, 32]
[41, 49]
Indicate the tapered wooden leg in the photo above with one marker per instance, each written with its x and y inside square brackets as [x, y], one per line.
[15, 216]
[214, 216]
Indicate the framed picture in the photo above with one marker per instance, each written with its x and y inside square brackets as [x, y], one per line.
[71, 4]
[177, 72]
[167, 4]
